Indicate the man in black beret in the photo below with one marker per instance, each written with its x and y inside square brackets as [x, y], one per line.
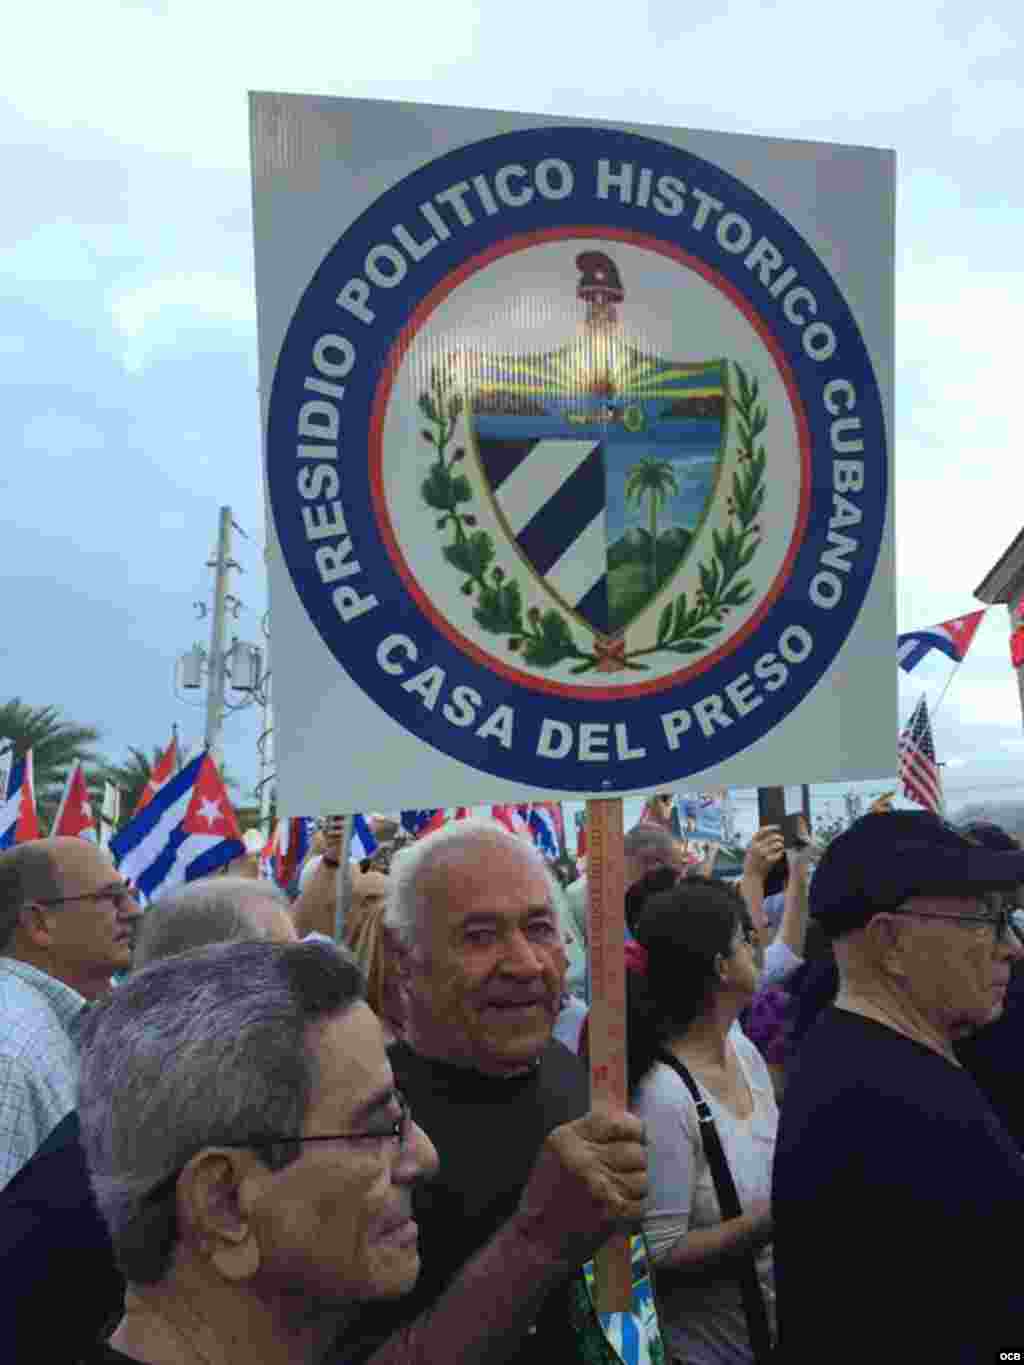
[897, 1193]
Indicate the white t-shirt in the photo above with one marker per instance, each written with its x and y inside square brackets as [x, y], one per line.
[705, 1324]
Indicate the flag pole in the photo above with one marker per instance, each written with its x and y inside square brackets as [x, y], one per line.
[952, 675]
[935, 711]
[55, 824]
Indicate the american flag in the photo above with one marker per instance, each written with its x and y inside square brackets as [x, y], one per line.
[918, 768]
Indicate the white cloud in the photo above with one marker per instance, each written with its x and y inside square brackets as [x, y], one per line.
[175, 81]
[994, 701]
[209, 297]
[153, 314]
[956, 428]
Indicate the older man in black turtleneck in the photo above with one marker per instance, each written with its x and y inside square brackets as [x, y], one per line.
[472, 907]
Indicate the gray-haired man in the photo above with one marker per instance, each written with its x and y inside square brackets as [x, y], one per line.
[213, 910]
[50, 1229]
[897, 1195]
[506, 1105]
[255, 1164]
[249, 1153]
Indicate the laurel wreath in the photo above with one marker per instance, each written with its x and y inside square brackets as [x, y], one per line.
[545, 638]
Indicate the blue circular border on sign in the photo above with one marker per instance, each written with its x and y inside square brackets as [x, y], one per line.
[354, 644]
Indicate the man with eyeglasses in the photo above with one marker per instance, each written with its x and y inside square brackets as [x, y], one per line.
[897, 1194]
[532, 1181]
[250, 1154]
[255, 1162]
[66, 926]
[993, 1054]
[50, 1229]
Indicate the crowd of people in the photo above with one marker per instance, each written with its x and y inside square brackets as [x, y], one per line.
[353, 1124]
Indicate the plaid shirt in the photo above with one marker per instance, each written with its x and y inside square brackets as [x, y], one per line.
[38, 1060]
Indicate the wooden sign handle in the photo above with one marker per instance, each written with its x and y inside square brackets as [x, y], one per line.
[607, 1024]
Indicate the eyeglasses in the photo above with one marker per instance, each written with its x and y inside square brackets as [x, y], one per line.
[118, 895]
[1000, 919]
[386, 1127]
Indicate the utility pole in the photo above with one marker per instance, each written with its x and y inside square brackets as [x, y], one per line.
[240, 666]
[216, 675]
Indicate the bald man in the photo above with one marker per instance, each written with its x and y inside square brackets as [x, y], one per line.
[50, 1229]
[67, 920]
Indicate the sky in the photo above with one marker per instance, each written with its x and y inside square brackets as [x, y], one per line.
[128, 375]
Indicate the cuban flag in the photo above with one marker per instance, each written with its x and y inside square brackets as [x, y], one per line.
[362, 844]
[513, 819]
[293, 846]
[187, 831]
[162, 773]
[542, 830]
[74, 816]
[952, 638]
[420, 822]
[18, 819]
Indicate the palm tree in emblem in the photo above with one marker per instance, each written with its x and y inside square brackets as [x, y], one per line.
[654, 480]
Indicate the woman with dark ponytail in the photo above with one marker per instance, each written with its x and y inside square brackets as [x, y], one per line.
[692, 968]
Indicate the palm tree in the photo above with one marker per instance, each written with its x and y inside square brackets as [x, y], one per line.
[132, 777]
[654, 480]
[55, 743]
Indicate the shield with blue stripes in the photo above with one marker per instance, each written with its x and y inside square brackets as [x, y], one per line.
[601, 469]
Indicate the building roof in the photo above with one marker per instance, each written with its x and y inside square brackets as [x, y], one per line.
[1005, 579]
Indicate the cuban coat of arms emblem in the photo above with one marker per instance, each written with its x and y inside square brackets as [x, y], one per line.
[599, 462]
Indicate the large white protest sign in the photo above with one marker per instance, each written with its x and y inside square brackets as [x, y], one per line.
[576, 454]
